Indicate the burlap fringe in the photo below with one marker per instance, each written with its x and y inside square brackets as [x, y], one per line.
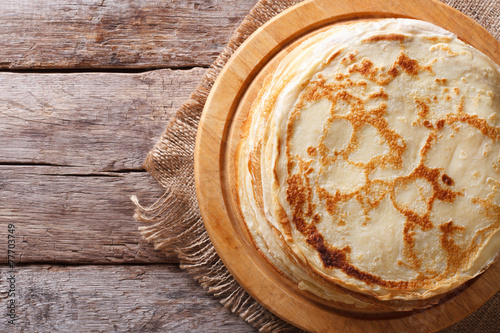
[175, 217]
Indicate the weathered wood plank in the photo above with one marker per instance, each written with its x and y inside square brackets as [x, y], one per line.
[48, 34]
[118, 298]
[82, 135]
[152, 298]
[62, 216]
[95, 121]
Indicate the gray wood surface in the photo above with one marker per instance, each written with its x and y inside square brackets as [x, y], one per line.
[48, 34]
[93, 122]
[114, 298]
[86, 89]
[69, 217]
[71, 156]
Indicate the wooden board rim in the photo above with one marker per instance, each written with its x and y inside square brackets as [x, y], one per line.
[210, 157]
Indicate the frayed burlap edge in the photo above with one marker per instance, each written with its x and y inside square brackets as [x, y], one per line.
[175, 217]
[173, 222]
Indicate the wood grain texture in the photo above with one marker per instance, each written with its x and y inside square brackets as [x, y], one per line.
[71, 154]
[48, 34]
[93, 121]
[74, 218]
[218, 137]
[151, 298]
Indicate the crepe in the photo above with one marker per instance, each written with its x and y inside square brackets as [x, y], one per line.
[369, 165]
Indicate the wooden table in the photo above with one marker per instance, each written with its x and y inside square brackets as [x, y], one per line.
[86, 89]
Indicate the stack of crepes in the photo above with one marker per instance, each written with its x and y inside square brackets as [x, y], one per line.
[369, 165]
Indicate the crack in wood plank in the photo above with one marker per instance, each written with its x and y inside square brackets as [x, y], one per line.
[34, 163]
[68, 187]
[100, 70]
[98, 122]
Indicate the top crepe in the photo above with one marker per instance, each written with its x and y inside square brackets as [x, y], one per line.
[370, 163]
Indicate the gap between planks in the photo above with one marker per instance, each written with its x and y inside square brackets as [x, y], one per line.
[73, 158]
[99, 70]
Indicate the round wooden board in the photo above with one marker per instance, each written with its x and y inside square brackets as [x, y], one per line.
[218, 134]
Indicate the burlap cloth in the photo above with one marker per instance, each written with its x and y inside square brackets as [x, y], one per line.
[174, 224]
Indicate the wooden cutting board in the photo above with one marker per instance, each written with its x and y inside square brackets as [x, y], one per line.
[218, 135]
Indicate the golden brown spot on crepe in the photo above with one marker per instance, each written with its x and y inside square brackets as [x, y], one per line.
[456, 255]
[409, 250]
[331, 200]
[423, 108]
[386, 37]
[456, 90]
[296, 193]
[311, 151]
[427, 124]
[380, 94]
[348, 58]
[375, 74]
[393, 72]
[473, 120]
[490, 209]
[447, 49]
[410, 66]
[339, 77]
[447, 180]
[438, 39]
[442, 81]
[305, 170]
[365, 68]
[358, 117]
[440, 124]
[460, 108]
